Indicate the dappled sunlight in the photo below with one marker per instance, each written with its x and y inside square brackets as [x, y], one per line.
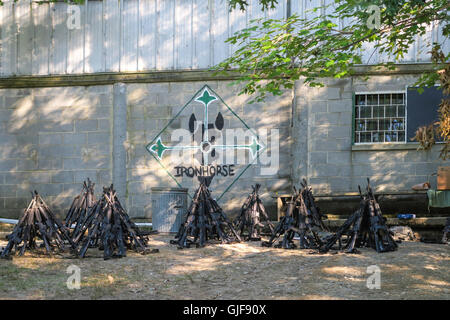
[241, 248]
[342, 270]
[202, 264]
[135, 95]
[396, 268]
[233, 271]
[64, 109]
[319, 297]
[28, 261]
[22, 115]
[343, 279]
[430, 267]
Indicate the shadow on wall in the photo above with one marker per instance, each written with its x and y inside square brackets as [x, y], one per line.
[150, 107]
[51, 140]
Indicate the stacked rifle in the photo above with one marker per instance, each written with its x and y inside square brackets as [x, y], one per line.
[37, 222]
[302, 218]
[445, 238]
[366, 227]
[80, 205]
[108, 226]
[252, 213]
[204, 221]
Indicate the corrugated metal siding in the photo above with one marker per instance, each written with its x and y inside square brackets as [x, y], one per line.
[139, 35]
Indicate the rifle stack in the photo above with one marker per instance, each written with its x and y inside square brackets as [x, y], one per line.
[249, 222]
[366, 227]
[80, 205]
[37, 222]
[108, 226]
[302, 218]
[204, 221]
[445, 238]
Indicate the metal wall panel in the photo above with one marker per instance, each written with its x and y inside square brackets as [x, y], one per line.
[141, 35]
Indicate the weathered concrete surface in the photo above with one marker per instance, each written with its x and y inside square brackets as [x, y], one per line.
[51, 139]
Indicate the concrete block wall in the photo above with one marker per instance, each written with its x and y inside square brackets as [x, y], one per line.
[51, 139]
[150, 108]
[326, 157]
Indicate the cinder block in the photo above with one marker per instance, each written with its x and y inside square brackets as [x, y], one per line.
[8, 165]
[319, 185]
[26, 164]
[426, 168]
[58, 151]
[86, 125]
[74, 138]
[136, 212]
[340, 105]
[98, 137]
[136, 125]
[17, 101]
[101, 99]
[136, 112]
[72, 189]
[141, 200]
[40, 177]
[62, 177]
[27, 139]
[160, 112]
[136, 187]
[99, 89]
[362, 170]
[328, 118]
[49, 190]
[338, 157]
[55, 126]
[415, 156]
[104, 177]
[318, 106]
[50, 138]
[104, 125]
[50, 164]
[364, 156]
[158, 87]
[16, 203]
[81, 175]
[341, 184]
[8, 190]
[15, 178]
[333, 93]
[98, 112]
[345, 118]
[78, 163]
[340, 132]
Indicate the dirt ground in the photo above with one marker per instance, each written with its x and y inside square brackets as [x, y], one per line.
[234, 271]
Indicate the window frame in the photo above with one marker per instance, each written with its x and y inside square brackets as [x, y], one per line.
[379, 92]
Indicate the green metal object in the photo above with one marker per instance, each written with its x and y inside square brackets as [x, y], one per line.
[438, 199]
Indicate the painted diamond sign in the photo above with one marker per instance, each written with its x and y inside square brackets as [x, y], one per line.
[206, 138]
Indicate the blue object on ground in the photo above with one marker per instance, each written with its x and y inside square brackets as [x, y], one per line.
[406, 216]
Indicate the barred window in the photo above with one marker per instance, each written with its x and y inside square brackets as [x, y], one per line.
[379, 117]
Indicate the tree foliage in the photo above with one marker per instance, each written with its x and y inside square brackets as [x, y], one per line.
[47, 1]
[426, 135]
[273, 54]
